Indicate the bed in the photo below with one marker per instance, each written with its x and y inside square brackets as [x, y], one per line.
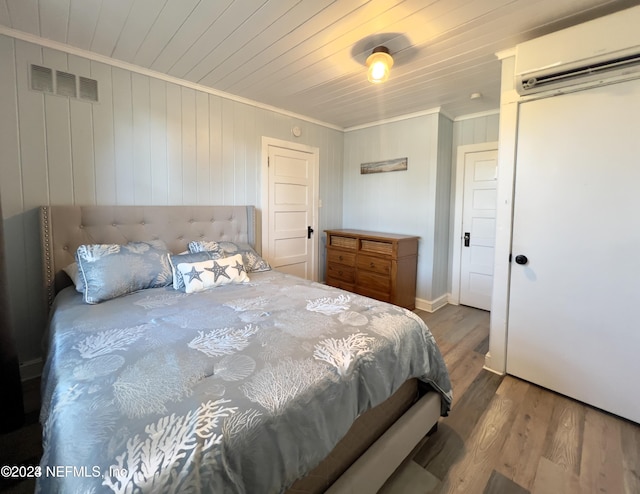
[265, 383]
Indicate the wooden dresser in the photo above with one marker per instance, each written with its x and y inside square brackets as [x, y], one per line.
[378, 265]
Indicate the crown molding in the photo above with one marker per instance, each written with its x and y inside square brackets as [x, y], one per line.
[399, 118]
[487, 113]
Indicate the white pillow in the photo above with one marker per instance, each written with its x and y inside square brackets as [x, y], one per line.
[201, 275]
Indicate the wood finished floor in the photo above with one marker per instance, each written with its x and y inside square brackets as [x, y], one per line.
[503, 436]
[507, 436]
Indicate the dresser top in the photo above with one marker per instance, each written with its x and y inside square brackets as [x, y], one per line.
[368, 234]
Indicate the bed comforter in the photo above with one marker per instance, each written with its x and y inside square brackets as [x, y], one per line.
[240, 389]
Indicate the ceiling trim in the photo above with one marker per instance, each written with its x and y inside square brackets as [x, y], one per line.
[509, 52]
[399, 118]
[71, 50]
[487, 113]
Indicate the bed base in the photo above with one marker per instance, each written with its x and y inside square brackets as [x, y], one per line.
[375, 466]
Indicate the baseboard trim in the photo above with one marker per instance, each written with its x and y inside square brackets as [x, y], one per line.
[432, 305]
[31, 369]
[488, 365]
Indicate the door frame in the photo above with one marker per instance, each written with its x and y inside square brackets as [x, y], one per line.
[272, 141]
[458, 211]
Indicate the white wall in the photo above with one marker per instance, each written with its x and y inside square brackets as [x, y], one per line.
[147, 141]
[413, 202]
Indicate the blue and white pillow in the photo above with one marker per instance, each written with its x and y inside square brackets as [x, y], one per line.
[112, 270]
[175, 259]
[251, 259]
[199, 276]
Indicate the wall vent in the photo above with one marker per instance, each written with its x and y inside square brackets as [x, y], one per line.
[63, 83]
[88, 89]
[41, 79]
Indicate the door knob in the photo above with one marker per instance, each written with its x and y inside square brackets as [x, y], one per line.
[467, 238]
[521, 259]
[309, 231]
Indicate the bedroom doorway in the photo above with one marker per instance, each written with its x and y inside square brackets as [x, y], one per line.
[475, 224]
[289, 207]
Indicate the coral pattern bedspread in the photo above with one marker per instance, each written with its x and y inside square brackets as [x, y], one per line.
[241, 388]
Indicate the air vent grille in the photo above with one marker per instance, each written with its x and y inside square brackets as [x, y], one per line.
[63, 83]
[88, 89]
[41, 79]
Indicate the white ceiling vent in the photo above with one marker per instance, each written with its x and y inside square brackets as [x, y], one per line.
[63, 84]
[41, 79]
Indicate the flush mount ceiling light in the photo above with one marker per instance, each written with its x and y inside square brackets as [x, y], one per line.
[379, 64]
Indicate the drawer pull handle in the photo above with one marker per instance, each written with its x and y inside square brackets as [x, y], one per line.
[372, 265]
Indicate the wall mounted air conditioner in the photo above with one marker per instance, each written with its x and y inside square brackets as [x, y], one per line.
[591, 52]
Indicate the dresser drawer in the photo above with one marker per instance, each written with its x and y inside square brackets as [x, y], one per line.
[375, 264]
[343, 242]
[374, 281]
[377, 246]
[341, 272]
[350, 287]
[340, 257]
[368, 292]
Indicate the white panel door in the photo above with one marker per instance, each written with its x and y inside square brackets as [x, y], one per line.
[478, 228]
[291, 246]
[573, 309]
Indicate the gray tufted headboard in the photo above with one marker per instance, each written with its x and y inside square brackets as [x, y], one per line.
[64, 228]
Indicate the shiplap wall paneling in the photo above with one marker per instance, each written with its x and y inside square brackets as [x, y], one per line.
[215, 149]
[32, 129]
[58, 135]
[203, 175]
[158, 141]
[141, 161]
[442, 209]
[11, 192]
[123, 135]
[174, 142]
[188, 161]
[104, 136]
[476, 130]
[82, 150]
[240, 144]
[228, 149]
[10, 171]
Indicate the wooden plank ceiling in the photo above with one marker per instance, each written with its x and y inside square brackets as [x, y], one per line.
[307, 56]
